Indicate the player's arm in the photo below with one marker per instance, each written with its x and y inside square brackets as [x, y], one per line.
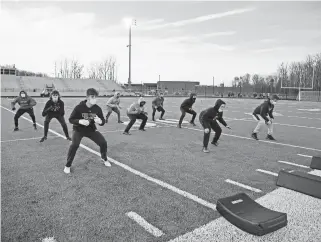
[271, 113]
[46, 109]
[74, 116]
[99, 119]
[263, 112]
[32, 102]
[132, 110]
[13, 103]
[62, 109]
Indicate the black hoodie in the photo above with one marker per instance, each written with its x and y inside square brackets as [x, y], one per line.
[211, 114]
[53, 109]
[188, 103]
[264, 110]
[81, 111]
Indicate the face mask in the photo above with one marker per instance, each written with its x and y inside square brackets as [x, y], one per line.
[273, 102]
[23, 95]
[55, 98]
[142, 104]
[93, 101]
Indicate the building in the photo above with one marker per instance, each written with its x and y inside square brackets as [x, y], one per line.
[177, 86]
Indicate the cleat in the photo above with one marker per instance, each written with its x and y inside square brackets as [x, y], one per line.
[43, 139]
[161, 119]
[16, 129]
[214, 143]
[120, 122]
[179, 126]
[205, 150]
[35, 126]
[67, 170]
[142, 129]
[68, 138]
[127, 133]
[254, 136]
[106, 162]
[270, 137]
[192, 123]
[153, 119]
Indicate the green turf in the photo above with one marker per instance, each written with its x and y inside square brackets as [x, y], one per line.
[90, 204]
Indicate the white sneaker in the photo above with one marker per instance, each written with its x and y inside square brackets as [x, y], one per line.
[106, 163]
[67, 170]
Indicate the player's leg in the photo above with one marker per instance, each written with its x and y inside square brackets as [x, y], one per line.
[16, 118]
[63, 124]
[270, 132]
[153, 114]
[258, 127]
[207, 132]
[144, 118]
[109, 111]
[100, 140]
[32, 116]
[181, 118]
[218, 131]
[193, 117]
[116, 110]
[162, 110]
[46, 128]
[75, 141]
[132, 118]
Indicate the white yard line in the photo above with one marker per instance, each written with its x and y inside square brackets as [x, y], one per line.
[308, 156]
[243, 186]
[267, 172]
[13, 140]
[147, 226]
[293, 164]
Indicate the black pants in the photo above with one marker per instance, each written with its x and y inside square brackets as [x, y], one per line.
[116, 110]
[95, 136]
[21, 112]
[60, 119]
[184, 111]
[159, 109]
[210, 125]
[133, 118]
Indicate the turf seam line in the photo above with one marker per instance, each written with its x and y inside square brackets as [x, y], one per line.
[243, 186]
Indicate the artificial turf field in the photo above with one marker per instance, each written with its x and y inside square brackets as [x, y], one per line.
[160, 175]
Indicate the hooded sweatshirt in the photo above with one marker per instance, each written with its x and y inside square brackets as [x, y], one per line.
[81, 111]
[188, 103]
[113, 101]
[24, 102]
[135, 108]
[264, 110]
[213, 113]
[54, 109]
[158, 101]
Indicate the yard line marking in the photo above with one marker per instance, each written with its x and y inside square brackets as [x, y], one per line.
[248, 138]
[309, 156]
[293, 164]
[138, 173]
[13, 140]
[303, 117]
[147, 226]
[242, 185]
[267, 172]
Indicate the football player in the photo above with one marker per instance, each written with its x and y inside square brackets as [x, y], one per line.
[113, 105]
[186, 107]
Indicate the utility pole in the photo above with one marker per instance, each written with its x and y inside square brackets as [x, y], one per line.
[213, 87]
[130, 22]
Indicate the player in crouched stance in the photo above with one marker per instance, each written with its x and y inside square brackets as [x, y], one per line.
[136, 111]
[84, 117]
[26, 106]
[157, 104]
[186, 107]
[208, 119]
[264, 115]
[54, 108]
[113, 105]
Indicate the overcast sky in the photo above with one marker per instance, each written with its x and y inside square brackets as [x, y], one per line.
[177, 40]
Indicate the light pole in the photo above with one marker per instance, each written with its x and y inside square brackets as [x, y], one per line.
[130, 22]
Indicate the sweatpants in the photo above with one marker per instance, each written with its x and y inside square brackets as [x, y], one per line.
[159, 109]
[133, 118]
[210, 125]
[95, 136]
[21, 112]
[184, 111]
[110, 110]
[261, 123]
[60, 119]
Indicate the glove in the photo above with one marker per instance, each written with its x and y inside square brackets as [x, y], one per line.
[228, 127]
[13, 108]
[98, 120]
[84, 122]
[206, 131]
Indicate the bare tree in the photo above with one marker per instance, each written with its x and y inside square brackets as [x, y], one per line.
[70, 69]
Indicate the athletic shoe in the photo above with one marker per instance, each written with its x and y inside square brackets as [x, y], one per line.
[205, 150]
[67, 170]
[127, 133]
[16, 129]
[214, 143]
[106, 162]
[161, 119]
[68, 138]
[142, 129]
[179, 126]
[192, 123]
[153, 119]
[254, 136]
[270, 137]
[43, 139]
[120, 122]
[35, 126]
